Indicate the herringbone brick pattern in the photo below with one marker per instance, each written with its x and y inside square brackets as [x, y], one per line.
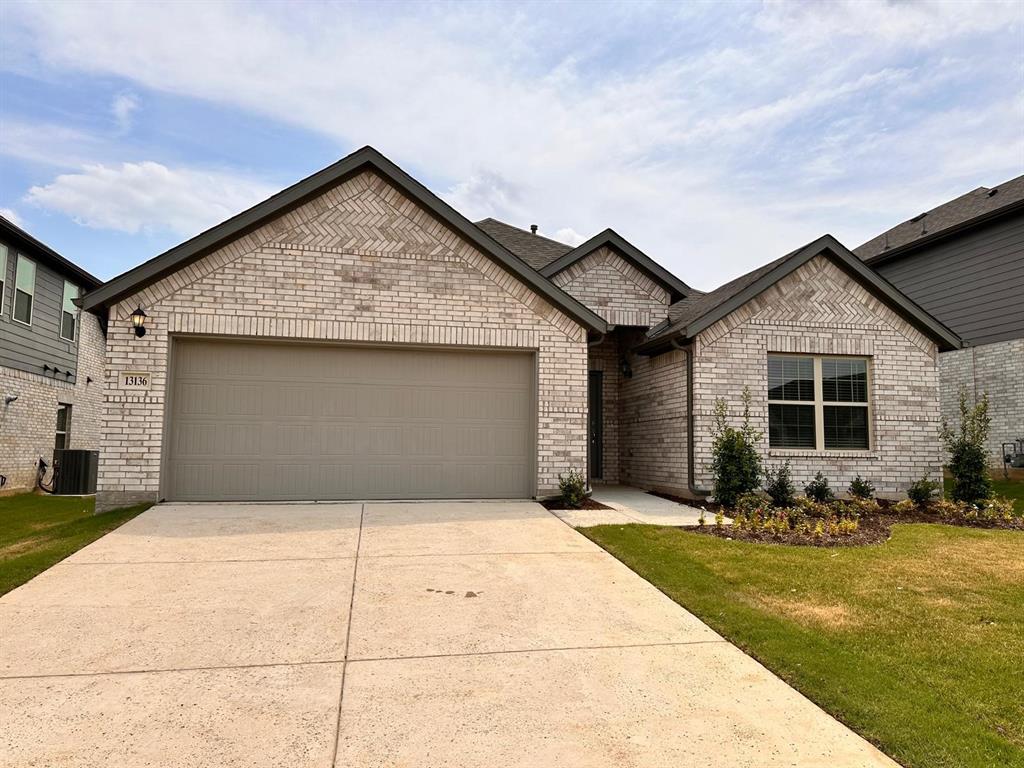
[614, 289]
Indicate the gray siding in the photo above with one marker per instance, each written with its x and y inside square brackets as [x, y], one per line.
[30, 348]
[972, 282]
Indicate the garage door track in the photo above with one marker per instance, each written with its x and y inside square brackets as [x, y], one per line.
[379, 634]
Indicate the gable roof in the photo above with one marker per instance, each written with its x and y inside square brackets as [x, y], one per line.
[968, 210]
[174, 259]
[689, 317]
[536, 250]
[630, 252]
[21, 240]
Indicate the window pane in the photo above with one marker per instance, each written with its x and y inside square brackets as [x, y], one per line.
[791, 426]
[67, 326]
[844, 381]
[61, 441]
[22, 307]
[26, 279]
[62, 418]
[790, 378]
[846, 427]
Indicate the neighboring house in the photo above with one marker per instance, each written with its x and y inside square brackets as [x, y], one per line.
[355, 337]
[964, 263]
[51, 357]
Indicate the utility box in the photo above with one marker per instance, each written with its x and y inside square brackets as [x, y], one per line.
[75, 472]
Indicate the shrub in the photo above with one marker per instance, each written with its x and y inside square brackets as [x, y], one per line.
[779, 485]
[749, 503]
[735, 463]
[719, 519]
[861, 488]
[968, 462]
[818, 489]
[921, 491]
[904, 507]
[700, 518]
[864, 506]
[573, 485]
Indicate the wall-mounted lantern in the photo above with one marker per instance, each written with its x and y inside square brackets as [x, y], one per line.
[139, 322]
[625, 368]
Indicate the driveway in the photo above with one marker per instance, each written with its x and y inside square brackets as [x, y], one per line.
[379, 634]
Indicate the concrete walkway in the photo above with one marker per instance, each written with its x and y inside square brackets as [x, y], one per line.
[358, 635]
[631, 505]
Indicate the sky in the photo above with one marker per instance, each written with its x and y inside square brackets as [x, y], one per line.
[713, 136]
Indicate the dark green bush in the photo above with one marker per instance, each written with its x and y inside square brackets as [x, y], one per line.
[968, 461]
[573, 485]
[818, 489]
[861, 488]
[735, 462]
[778, 484]
[922, 491]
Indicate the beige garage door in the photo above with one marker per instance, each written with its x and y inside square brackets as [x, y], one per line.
[256, 421]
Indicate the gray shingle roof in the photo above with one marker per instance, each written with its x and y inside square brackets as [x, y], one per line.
[536, 250]
[976, 203]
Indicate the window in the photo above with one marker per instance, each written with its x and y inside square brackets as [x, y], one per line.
[24, 290]
[63, 426]
[3, 275]
[69, 312]
[818, 403]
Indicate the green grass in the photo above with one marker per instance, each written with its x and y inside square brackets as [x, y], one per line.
[38, 531]
[916, 643]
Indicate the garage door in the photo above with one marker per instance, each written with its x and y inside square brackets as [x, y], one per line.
[255, 421]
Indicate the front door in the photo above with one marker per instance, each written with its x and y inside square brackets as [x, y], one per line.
[595, 426]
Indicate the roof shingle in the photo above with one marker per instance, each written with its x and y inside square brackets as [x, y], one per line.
[536, 250]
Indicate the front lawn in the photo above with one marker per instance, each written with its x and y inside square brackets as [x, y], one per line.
[915, 643]
[38, 531]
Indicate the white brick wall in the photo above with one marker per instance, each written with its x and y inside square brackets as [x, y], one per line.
[994, 368]
[359, 263]
[614, 289]
[820, 310]
[28, 425]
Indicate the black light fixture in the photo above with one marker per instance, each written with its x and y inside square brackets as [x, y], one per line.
[139, 322]
[627, 371]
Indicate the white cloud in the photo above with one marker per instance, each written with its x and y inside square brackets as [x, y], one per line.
[715, 138]
[123, 108]
[148, 197]
[569, 236]
[12, 216]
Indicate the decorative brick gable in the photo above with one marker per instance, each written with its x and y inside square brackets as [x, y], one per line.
[614, 289]
[359, 263]
[819, 309]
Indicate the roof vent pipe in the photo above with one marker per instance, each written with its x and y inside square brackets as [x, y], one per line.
[533, 228]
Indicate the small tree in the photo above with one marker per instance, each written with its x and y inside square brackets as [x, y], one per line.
[819, 490]
[734, 460]
[968, 462]
[779, 485]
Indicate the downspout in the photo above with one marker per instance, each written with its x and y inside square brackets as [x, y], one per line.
[698, 493]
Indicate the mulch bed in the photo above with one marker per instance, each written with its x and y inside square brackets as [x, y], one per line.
[872, 529]
[557, 503]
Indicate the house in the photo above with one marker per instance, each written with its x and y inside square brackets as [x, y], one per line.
[51, 358]
[963, 262]
[355, 337]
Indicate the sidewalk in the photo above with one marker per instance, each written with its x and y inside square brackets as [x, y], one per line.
[631, 505]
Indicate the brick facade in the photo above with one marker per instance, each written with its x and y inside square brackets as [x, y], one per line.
[28, 425]
[614, 289]
[360, 263]
[820, 310]
[997, 369]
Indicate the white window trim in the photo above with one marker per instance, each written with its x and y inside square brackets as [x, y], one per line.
[67, 425]
[60, 321]
[3, 275]
[14, 295]
[819, 404]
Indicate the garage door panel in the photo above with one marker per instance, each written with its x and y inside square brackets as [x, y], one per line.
[334, 422]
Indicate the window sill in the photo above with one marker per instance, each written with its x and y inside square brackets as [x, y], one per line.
[826, 454]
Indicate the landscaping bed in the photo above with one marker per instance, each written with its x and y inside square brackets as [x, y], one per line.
[560, 504]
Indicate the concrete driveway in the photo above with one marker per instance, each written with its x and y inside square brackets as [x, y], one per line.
[379, 634]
